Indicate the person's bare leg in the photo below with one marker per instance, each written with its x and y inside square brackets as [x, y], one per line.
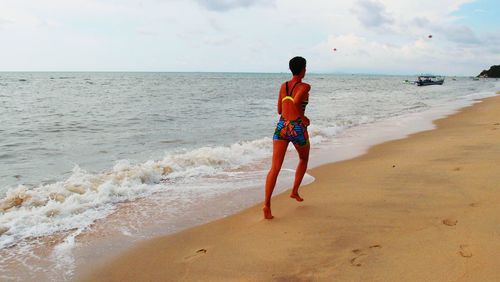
[300, 171]
[279, 150]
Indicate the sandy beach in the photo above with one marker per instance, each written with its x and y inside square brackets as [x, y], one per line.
[423, 208]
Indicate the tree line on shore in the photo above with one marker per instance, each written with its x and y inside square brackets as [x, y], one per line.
[493, 72]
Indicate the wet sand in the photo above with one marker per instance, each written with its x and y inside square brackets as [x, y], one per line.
[424, 208]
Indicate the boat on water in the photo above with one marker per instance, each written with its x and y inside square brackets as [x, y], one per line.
[425, 80]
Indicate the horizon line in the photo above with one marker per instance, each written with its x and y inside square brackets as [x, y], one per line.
[227, 72]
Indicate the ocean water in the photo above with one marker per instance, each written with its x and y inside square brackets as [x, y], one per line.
[78, 149]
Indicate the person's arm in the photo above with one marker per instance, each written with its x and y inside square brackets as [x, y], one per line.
[301, 96]
[279, 100]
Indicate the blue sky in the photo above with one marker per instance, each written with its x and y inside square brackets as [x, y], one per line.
[481, 15]
[371, 36]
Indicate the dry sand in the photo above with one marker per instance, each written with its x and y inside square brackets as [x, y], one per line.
[424, 208]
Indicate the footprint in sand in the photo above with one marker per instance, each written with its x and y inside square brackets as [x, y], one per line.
[361, 254]
[473, 205]
[464, 251]
[457, 169]
[357, 260]
[197, 254]
[357, 251]
[450, 222]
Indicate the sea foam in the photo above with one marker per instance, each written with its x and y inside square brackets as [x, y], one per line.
[84, 197]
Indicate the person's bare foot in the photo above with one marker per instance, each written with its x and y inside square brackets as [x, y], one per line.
[296, 197]
[267, 212]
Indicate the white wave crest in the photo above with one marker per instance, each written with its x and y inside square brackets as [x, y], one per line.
[78, 201]
[83, 198]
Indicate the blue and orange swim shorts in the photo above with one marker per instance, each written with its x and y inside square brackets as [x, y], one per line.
[292, 130]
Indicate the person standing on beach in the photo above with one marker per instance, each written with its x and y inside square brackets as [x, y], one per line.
[292, 127]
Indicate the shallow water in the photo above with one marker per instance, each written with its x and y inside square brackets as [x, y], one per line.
[54, 121]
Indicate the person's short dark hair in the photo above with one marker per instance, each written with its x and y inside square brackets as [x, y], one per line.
[297, 64]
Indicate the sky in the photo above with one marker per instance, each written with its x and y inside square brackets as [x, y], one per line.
[371, 36]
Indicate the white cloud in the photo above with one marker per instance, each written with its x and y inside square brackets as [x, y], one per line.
[372, 13]
[225, 5]
[385, 36]
[460, 34]
[146, 32]
[3, 22]
[223, 41]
